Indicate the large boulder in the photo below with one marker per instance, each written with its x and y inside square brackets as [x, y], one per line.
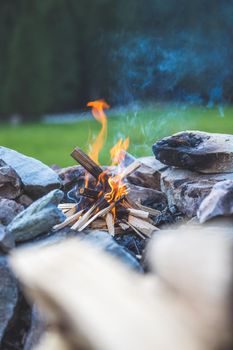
[37, 178]
[198, 151]
[186, 189]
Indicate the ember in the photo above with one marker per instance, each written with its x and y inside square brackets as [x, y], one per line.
[108, 201]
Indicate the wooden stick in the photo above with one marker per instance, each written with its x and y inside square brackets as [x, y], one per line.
[124, 212]
[130, 169]
[68, 221]
[84, 218]
[151, 211]
[138, 213]
[71, 211]
[88, 192]
[143, 226]
[99, 224]
[102, 212]
[83, 159]
[110, 223]
[134, 229]
[66, 205]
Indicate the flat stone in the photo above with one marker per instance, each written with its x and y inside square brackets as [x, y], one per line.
[38, 218]
[218, 203]
[10, 182]
[186, 189]
[9, 209]
[37, 178]
[147, 196]
[198, 151]
[8, 297]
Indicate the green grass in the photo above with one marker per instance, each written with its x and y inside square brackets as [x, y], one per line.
[53, 143]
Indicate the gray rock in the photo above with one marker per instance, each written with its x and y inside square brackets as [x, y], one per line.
[8, 297]
[149, 173]
[24, 200]
[198, 151]
[7, 241]
[99, 238]
[218, 203]
[186, 189]
[38, 179]
[71, 175]
[38, 218]
[147, 196]
[104, 241]
[8, 210]
[36, 330]
[10, 182]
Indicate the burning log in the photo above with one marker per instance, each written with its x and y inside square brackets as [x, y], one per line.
[82, 158]
[88, 192]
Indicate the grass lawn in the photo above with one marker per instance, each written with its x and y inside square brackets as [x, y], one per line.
[53, 143]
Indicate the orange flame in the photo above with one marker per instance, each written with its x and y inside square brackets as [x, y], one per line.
[98, 107]
[117, 188]
[118, 151]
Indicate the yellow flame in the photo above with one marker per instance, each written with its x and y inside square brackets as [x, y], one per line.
[117, 152]
[98, 107]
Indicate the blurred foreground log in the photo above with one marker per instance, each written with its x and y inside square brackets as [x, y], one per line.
[91, 301]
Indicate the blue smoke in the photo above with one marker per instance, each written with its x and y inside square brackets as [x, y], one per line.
[191, 67]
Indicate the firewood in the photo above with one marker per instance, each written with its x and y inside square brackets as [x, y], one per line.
[84, 218]
[102, 212]
[71, 211]
[151, 211]
[82, 158]
[134, 229]
[143, 226]
[68, 221]
[99, 224]
[139, 213]
[123, 225]
[130, 169]
[110, 223]
[125, 212]
[66, 205]
[88, 192]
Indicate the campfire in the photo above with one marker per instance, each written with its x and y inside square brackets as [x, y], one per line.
[106, 204]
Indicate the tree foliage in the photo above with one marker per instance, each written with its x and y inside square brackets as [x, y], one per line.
[57, 54]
